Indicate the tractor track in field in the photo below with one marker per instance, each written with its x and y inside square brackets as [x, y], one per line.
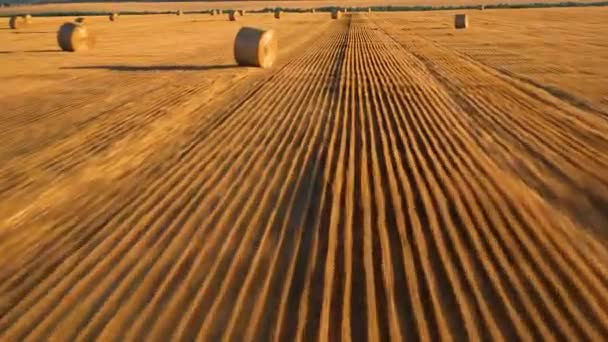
[363, 189]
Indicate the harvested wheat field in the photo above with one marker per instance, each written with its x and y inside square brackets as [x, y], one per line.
[62, 6]
[388, 177]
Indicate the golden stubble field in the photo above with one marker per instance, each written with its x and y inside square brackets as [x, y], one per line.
[140, 6]
[388, 177]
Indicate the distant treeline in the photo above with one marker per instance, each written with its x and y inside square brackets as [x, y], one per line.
[388, 8]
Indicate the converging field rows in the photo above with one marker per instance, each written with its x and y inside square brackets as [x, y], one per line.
[373, 185]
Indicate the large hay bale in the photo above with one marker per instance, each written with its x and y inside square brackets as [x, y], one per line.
[232, 15]
[255, 47]
[28, 18]
[80, 20]
[114, 16]
[180, 13]
[75, 37]
[312, 10]
[241, 12]
[17, 22]
[461, 21]
[482, 7]
[277, 14]
[335, 14]
[369, 10]
[212, 12]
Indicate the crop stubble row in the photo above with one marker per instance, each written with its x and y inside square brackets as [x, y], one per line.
[349, 194]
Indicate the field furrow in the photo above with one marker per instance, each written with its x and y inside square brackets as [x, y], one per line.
[553, 146]
[374, 184]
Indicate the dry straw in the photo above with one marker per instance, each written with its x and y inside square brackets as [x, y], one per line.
[75, 37]
[180, 12]
[255, 47]
[113, 16]
[18, 21]
[461, 21]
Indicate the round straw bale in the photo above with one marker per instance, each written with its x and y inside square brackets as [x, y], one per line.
[335, 14]
[75, 37]
[312, 10]
[241, 12]
[28, 17]
[461, 21]
[113, 16]
[80, 20]
[180, 12]
[255, 47]
[369, 10]
[212, 12]
[277, 14]
[482, 7]
[232, 15]
[17, 22]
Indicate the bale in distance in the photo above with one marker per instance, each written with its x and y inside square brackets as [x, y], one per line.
[80, 20]
[113, 16]
[482, 7]
[255, 47]
[232, 15]
[336, 14]
[180, 13]
[28, 17]
[241, 12]
[75, 37]
[461, 21]
[212, 12]
[312, 10]
[277, 14]
[369, 10]
[18, 21]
